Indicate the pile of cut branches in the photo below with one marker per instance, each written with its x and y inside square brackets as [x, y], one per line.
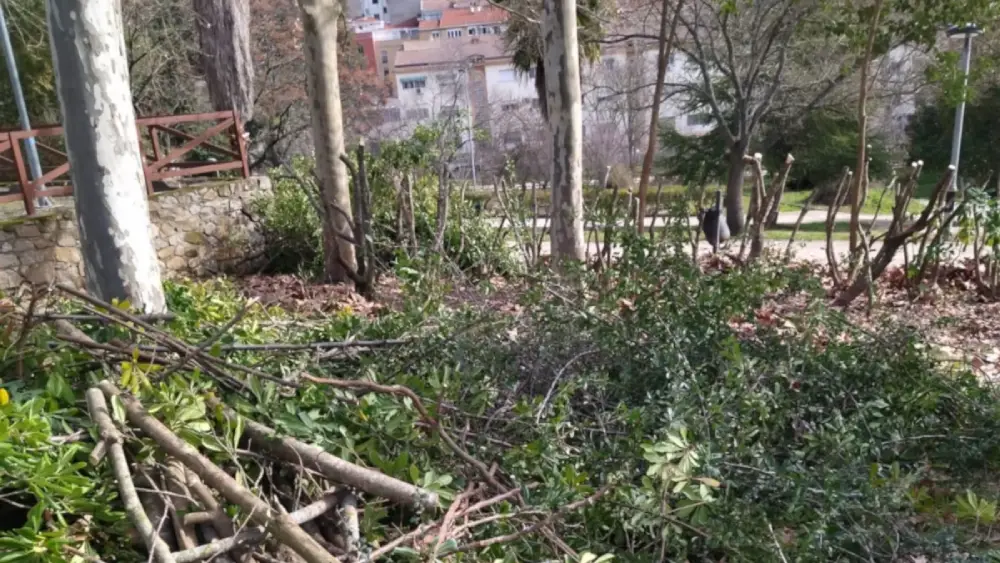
[200, 481]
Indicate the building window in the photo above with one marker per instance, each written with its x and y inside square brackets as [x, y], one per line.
[385, 9]
[699, 119]
[435, 35]
[472, 31]
[418, 113]
[385, 72]
[361, 50]
[454, 33]
[507, 75]
[385, 57]
[496, 30]
[390, 115]
[413, 83]
[378, 17]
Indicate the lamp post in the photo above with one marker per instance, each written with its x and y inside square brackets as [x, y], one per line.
[22, 109]
[469, 63]
[966, 33]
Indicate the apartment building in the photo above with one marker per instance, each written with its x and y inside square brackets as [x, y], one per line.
[381, 39]
[390, 11]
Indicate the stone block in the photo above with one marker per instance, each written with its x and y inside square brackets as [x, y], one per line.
[8, 260]
[44, 242]
[194, 237]
[176, 264]
[24, 245]
[33, 257]
[66, 254]
[41, 273]
[47, 225]
[9, 279]
[69, 277]
[67, 240]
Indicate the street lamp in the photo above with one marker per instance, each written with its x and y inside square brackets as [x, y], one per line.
[22, 110]
[966, 33]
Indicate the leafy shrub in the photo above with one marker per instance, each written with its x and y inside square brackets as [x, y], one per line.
[930, 132]
[292, 227]
[818, 436]
[823, 145]
[290, 224]
[731, 432]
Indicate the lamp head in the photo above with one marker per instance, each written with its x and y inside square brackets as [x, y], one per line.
[963, 31]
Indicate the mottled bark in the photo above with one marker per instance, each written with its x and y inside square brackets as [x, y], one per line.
[102, 144]
[226, 61]
[563, 97]
[319, 19]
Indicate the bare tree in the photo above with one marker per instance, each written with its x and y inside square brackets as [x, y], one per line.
[563, 100]
[746, 45]
[224, 37]
[320, 20]
[859, 180]
[666, 44]
[102, 143]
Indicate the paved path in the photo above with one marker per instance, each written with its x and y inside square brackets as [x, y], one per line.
[808, 251]
[785, 219]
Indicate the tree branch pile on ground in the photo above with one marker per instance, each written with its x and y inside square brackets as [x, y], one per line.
[211, 505]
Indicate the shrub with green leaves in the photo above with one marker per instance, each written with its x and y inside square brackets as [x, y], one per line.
[292, 227]
[728, 432]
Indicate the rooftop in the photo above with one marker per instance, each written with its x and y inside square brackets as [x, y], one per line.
[459, 17]
[419, 53]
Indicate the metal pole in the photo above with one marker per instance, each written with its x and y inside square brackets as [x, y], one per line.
[956, 135]
[22, 109]
[718, 223]
[472, 139]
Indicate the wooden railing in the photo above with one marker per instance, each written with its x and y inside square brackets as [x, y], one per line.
[166, 150]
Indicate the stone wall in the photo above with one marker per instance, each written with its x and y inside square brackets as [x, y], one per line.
[198, 231]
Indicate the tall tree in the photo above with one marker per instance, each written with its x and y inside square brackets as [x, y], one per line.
[102, 143]
[224, 37]
[320, 19]
[564, 103]
[740, 48]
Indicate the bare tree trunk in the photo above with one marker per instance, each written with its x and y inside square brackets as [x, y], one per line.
[226, 62]
[102, 143]
[858, 186]
[662, 61]
[442, 208]
[320, 20]
[562, 90]
[734, 189]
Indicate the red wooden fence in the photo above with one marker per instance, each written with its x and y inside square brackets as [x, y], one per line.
[157, 165]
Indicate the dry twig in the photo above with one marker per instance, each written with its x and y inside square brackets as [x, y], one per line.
[286, 530]
[130, 498]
